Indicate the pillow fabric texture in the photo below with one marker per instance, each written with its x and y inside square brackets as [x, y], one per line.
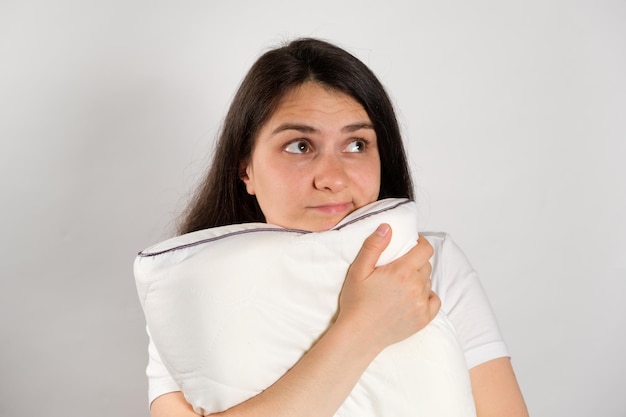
[231, 309]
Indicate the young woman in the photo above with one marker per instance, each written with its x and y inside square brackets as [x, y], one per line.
[310, 137]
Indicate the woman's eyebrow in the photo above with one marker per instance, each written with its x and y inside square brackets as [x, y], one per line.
[357, 126]
[295, 126]
[310, 129]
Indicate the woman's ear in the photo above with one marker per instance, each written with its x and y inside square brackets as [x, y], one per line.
[245, 174]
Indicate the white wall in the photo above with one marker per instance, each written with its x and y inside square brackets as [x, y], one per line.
[514, 117]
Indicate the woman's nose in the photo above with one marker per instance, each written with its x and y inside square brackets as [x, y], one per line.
[330, 174]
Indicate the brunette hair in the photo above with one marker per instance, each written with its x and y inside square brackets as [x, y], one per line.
[222, 198]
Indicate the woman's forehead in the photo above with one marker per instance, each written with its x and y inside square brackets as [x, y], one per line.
[311, 102]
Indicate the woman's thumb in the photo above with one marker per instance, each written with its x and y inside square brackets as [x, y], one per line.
[370, 251]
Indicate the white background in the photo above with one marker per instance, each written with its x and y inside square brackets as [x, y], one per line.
[514, 117]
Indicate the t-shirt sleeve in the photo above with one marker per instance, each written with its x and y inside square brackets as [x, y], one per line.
[465, 302]
[159, 379]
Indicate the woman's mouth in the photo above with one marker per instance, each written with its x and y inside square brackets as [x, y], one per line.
[334, 208]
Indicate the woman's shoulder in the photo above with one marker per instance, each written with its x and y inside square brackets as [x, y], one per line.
[436, 238]
[451, 267]
[445, 245]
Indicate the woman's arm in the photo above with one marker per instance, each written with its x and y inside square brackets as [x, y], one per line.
[172, 404]
[495, 389]
[494, 385]
[377, 307]
[317, 385]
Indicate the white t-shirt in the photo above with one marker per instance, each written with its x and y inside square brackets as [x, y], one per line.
[463, 300]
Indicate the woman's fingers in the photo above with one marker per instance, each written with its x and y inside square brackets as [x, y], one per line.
[420, 254]
[418, 257]
[434, 304]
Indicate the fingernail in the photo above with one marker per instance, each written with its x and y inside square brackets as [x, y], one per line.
[382, 230]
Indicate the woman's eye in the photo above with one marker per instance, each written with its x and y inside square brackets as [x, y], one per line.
[299, 146]
[356, 146]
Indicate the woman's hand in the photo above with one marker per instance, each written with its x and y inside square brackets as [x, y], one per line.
[391, 302]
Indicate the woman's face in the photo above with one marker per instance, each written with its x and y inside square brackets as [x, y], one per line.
[314, 161]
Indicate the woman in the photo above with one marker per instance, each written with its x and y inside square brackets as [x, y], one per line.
[310, 137]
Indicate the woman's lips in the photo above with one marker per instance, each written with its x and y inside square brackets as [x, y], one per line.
[334, 208]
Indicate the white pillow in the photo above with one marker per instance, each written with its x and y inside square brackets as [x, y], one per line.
[231, 309]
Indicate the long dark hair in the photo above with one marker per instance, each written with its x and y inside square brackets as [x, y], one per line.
[221, 198]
